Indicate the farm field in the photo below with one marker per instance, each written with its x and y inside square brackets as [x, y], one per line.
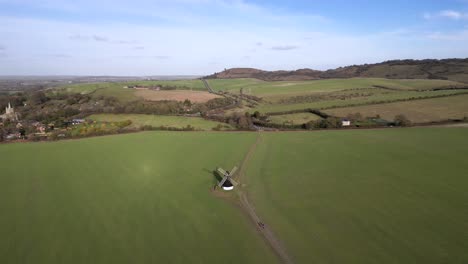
[291, 88]
[135, 198]
[419, 111]
[397, 195]
[176, 95]
[139, 120]
[294, 119]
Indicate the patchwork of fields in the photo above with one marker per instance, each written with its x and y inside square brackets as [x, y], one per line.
[397, 196]
[282, 96]
[337, 93]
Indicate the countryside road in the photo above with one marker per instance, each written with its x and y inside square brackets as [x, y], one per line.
[267, 233]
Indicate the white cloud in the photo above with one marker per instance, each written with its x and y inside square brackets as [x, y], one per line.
[284, 47]
[452, 36]
[196, 39]
[449, 14]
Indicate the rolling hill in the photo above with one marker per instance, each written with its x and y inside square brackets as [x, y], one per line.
[446, 69]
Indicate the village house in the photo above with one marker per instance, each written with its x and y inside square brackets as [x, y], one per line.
[345, 123]
[77, 121]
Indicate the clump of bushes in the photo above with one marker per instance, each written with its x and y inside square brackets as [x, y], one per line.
[401, 120]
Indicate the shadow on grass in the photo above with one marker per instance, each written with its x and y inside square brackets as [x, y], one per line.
[216, 177]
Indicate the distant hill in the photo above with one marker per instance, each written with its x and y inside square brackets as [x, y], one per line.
[446, 69]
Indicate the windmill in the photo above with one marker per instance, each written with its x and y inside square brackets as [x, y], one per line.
[227, 182]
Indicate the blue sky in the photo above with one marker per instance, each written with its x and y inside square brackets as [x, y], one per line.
[154, 37]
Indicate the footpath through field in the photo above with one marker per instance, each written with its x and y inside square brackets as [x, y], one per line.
[267, 233]
[207, 86]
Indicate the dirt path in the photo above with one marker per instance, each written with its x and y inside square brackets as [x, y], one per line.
[248, 208]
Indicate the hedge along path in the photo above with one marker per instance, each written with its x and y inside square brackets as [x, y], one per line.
[277, 246]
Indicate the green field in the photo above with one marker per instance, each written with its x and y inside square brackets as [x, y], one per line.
[136, 198]
[419, 111]
[359, 196]
[375, 196]
[139, 120]
[293, 119]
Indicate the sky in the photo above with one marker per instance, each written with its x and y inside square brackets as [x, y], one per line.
[198, 37]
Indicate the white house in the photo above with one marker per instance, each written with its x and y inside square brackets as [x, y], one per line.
[345, 122]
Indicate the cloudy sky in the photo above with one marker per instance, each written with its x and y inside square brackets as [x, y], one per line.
[155, 37]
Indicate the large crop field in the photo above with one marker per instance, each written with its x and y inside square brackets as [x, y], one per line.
[375, 196]
[137, 198]
[139, 120]
[361, 196]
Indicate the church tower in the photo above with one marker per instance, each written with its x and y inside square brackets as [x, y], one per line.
[9, 110]
[9, 113]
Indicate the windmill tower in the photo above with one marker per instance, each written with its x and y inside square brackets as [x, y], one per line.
[227, 182]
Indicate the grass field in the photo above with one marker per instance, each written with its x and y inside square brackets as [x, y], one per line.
[295, 119]
[136, 198]
[376, 196]
[139, 120]
[419, 111]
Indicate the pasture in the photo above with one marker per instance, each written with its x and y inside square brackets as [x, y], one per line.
[419, 111]
[139, 120]
[135, 198]
[368, 196]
